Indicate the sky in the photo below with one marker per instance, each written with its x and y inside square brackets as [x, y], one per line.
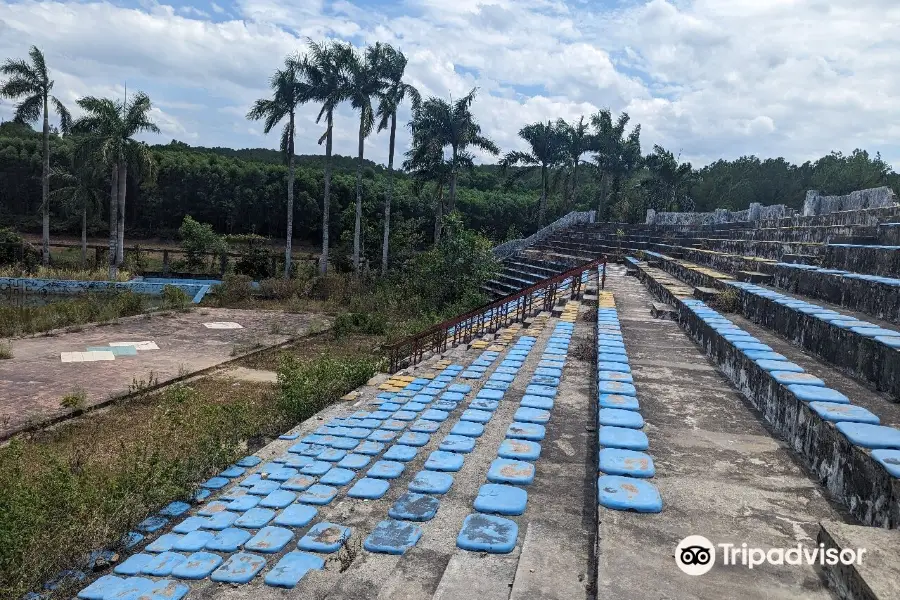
[706, 79]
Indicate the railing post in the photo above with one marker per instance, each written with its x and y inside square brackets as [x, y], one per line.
[603, 277]
[165, 268]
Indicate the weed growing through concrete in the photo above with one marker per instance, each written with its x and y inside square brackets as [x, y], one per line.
[75, 400]
[727, 301]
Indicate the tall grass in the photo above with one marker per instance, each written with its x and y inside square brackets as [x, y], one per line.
[89, 308]
[83, 487]
[75, 273]
[307, 387]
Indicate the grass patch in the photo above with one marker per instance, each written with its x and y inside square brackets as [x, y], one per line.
[82, 485]
[307, 387]
[77, 273]
[6, 352]
[89, 308]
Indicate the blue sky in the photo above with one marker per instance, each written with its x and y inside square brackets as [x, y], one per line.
[705, 78]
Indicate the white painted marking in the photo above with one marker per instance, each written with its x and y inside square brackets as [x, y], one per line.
[137, 345]
[222, 325]
[97, 355]
[68, 357]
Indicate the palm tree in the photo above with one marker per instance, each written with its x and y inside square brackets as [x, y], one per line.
[577, 141]
[289, 90]
[389, 102]
[547, 151]
[668, 183]
[76, 187]
[325, 71]
[30, 84]
[366, 82]
[616, 155]
[106, 131]
[451, 124]
[425, 161]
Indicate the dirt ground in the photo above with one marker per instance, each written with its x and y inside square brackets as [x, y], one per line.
[35, 381]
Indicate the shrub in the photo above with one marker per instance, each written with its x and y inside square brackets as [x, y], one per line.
[279, 288]
[355, 322]
[255, 255]
[308, 387]
[174, 297]
[6, 352]
[198, 241]
[14, 250]
[129, 303]
[727, 300]
[233, 289]
[453, 271]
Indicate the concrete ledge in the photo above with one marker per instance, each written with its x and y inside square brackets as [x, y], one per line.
[873, 297]
[68, 287]
[862, 357]
[876, 575]
[849, 472]
[865, 358]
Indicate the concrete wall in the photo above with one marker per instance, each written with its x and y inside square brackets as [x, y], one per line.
[68, 287]
[756, 212]
[879, 197]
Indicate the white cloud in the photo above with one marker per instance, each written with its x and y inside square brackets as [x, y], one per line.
[709, 78]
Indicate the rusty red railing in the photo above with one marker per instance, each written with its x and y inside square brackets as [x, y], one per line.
[490, 317]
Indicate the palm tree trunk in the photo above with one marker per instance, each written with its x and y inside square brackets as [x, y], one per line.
[84, 236]
[326, 202]
[113, 209]
[388, 198]
[574, 183]
[358, 223]
[45, 189]
[600, 195]
[439, 212]
[452, 204]
[542, 207]
[290, 202]
[120, 222]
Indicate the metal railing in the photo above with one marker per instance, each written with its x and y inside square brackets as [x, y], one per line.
[492, 316]
[509, 248]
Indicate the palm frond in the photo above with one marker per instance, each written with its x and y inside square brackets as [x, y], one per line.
[30, 109]
[40, 65]
[21, 70]
[18, 86]
[65, 118]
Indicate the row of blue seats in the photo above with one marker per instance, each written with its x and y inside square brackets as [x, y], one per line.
[892, 281]
[285, 492]
[888, 337]
[623, 465]
[859, 425]
[514, 467]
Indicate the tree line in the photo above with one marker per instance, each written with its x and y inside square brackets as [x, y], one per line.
[593, 163]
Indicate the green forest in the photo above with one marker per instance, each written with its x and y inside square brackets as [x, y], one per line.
[244, 191]
[595, 163]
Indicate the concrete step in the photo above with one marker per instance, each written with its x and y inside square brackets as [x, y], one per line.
[753, 277]
[875, 574]
[719, 471]
[837, 461]
[485, 577]
[869, 294]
